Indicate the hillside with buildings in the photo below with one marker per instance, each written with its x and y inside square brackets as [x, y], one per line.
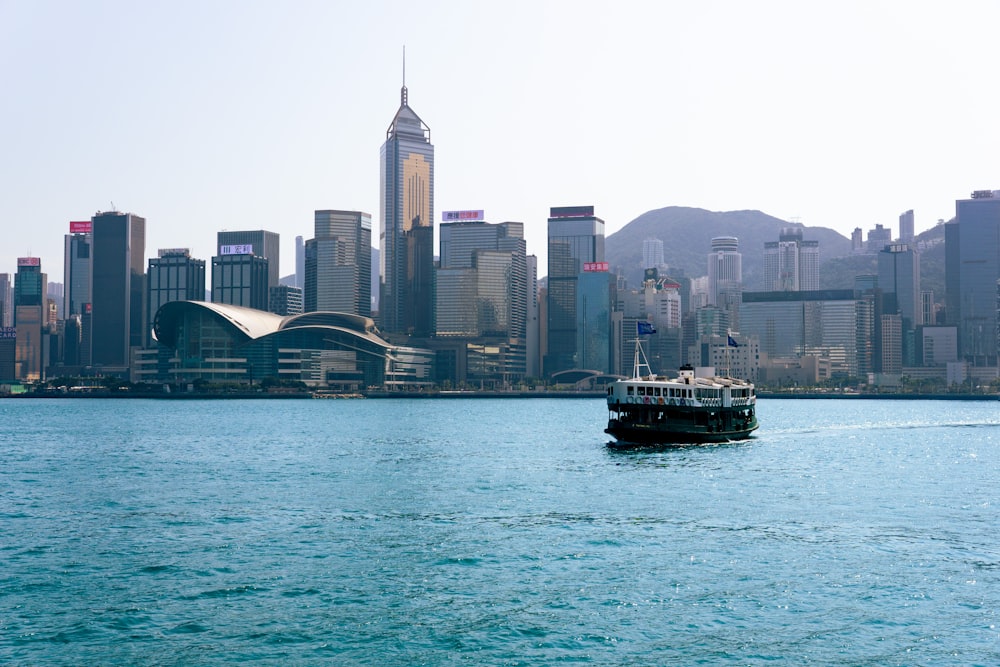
[687, 235]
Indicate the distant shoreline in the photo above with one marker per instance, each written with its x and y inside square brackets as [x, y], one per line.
[481, 394]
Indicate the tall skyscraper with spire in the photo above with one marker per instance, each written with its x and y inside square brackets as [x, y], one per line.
[406, 228]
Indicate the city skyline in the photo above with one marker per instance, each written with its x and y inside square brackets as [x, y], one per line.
[243, 117]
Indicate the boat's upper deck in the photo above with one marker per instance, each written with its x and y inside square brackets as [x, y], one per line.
[686, 390]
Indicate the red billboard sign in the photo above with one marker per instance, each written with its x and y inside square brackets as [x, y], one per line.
[29, 261]
[595, 267]
[81, 227]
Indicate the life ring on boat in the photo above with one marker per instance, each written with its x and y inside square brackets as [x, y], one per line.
[628, 400]
[672, 402]
[660, 401]
[646, 400]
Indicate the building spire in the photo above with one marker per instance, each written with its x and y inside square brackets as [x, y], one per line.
[402, 92]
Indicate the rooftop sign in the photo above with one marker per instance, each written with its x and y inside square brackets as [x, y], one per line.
[571, 212]
[462, 216]
[595, 267]
[29, 261]
[239, 249]
[81, 227]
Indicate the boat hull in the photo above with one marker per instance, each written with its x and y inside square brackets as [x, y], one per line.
[646, 434]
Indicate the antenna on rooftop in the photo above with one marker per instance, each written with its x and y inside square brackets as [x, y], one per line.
[402, 92]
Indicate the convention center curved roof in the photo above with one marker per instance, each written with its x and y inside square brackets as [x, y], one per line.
[254, 324]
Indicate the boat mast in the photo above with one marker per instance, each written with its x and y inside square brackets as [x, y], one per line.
[640, 361]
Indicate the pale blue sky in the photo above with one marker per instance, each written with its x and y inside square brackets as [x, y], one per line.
[203, 116]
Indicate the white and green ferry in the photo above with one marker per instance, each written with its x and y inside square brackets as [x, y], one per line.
[692, 408]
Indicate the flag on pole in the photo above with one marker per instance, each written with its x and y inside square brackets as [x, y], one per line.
[732, 342]
[645, 328]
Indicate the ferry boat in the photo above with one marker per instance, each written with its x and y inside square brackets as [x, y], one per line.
[647, 409]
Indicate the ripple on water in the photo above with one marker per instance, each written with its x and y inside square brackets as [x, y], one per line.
[495, 532]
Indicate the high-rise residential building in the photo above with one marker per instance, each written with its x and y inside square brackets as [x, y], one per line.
[338, 263]
[906, 227]
[406, 227]
[725, 277]
[30, 319]
[972, 268]
[790, 263]
[878, 238]
[652, 253]
[725, 269]
[260, 243]
[857, 242]
[575, 244]
[173, 275]
[77, 267]
[118, 288]
[6, 301]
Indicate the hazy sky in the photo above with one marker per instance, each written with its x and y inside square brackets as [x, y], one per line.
[211, 115]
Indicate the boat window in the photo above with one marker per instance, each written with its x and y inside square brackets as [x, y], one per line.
[656, 391]
[641, 391]
[629, 390]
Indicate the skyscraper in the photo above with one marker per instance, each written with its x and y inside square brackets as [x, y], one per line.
[77, 267]
[406, 228]
[260, 243]
[575, 240]
[173, 275]
[338, 263]
[790, 263]
[6, 301]
[482, 281]
[725, 269]
[725, 277]
[30, 318]
[300, 262]
[906, 227]
[652, 253]
[118, 292]
[240, 278]
[972, 268]
[899, 280]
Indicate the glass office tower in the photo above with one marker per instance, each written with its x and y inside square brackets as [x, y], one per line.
[118, 292]
[260, 243]
[338, 263]
[173, 275]
[972, 268]
[406, 228]
[576, 239]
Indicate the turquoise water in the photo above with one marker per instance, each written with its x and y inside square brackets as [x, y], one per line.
[469, 531]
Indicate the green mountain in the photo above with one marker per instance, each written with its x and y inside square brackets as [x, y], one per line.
[687, 235]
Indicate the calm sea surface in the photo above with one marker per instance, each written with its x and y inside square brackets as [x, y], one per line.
[501, 532]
